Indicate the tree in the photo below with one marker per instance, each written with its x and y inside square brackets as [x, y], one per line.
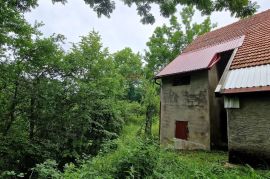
[129, 66]
[12, 23]
[56, 105]
[167, 42]
[28, 82]
[239, 8]
[150, 103]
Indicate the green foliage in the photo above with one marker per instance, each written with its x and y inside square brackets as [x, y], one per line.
[59, 105]
[11, 174]
[139, 158]
[139, 163]
[24, 158]
[47, 169]
[150, 103]
[15, 32]
[108, 146]
[239, 8]
[64, 111]
[21, 5]
[65, 104]
[133, 112]
[129, 66]
[167, 42]
[105, 164]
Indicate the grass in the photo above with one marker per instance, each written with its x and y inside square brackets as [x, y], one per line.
[167, 163]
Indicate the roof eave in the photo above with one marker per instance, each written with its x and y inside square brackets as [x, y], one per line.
[181, 73]
[246, 90]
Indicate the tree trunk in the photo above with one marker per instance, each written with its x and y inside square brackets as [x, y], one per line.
[148, 121]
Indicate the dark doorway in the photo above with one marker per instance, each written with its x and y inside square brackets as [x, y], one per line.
[219, 136]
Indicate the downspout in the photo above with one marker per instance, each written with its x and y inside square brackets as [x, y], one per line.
[157, 82]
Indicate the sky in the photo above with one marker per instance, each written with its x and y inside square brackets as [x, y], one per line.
[122, 29]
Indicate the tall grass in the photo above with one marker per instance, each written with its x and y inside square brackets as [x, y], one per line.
[132, 156]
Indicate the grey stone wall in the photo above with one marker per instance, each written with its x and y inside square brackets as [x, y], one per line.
[249, 130]
[186, 103]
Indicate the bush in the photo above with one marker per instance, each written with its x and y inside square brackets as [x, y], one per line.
[139, 163]
[48, 169]
[20, 161]
[11, 174]
[108, 146]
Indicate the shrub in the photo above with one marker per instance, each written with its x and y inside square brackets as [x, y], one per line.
[108, 146]
[47, 169]
[139, 163]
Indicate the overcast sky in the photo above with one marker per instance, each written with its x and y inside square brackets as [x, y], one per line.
[123, 29]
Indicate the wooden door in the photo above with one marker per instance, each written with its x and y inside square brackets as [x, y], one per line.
[181, 130]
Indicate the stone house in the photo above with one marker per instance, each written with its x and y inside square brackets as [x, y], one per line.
[216, 93]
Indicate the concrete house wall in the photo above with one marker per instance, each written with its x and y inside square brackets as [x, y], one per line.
[186, 103]
[197, 104]
[249, 130]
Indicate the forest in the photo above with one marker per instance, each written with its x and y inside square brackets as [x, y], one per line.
[89, 113]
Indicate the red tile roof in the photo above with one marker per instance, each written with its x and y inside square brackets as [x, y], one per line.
[256, 47]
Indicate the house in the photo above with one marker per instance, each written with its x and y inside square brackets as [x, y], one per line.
[216, 94]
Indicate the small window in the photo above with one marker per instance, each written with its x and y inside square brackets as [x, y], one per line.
[181, 130]
[183, 80]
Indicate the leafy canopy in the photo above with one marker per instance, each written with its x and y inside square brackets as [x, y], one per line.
[239, 8]
[168, 41]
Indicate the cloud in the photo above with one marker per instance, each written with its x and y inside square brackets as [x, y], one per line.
[76, 19]
[123, 29]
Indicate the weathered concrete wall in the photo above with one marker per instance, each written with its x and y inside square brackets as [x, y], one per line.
[249, 130]
[218, 116]
[186, 103]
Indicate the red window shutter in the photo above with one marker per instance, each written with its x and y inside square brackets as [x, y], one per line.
[181, 130]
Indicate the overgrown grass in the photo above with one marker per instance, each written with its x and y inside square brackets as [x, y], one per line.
[130, 156]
